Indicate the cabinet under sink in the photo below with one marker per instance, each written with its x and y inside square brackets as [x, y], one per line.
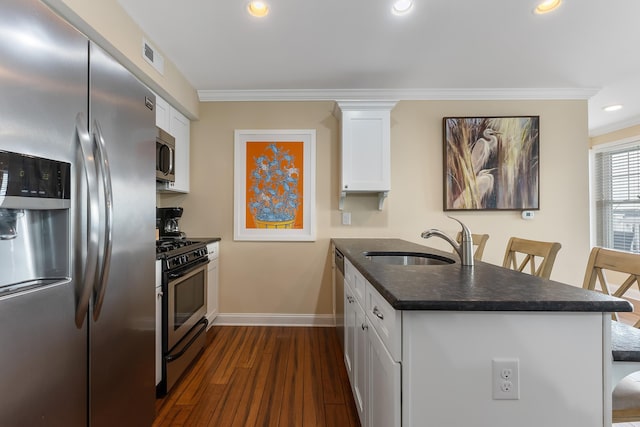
[372, 351]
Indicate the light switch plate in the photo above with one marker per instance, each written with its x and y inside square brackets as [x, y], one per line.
[346, 218]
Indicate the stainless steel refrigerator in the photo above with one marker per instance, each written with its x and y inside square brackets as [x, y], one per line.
[77, 297]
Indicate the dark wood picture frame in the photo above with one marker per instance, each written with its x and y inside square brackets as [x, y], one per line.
[491, 163]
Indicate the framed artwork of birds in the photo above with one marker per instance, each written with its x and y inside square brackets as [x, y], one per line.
[491, 163]
[274, 185]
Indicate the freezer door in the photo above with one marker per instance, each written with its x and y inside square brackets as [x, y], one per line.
[43, 360]
[122, 328]
[43, 86]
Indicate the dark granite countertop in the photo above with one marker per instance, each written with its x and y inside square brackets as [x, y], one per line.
[625, 342]
[484, 287]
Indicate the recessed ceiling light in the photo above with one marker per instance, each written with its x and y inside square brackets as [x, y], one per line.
[258, 9]
[402, 7]
[547, 6]
[610, 108]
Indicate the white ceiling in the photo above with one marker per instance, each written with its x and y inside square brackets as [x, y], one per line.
[443, 50]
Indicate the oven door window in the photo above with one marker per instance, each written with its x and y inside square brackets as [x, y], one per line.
[189, 298]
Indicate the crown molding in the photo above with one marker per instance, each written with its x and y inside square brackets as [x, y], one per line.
[397, 94]
[613, 127]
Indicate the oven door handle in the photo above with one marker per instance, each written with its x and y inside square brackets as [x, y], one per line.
[203, 322]
[199, 263]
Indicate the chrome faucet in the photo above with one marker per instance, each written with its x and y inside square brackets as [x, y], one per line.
[464, 250]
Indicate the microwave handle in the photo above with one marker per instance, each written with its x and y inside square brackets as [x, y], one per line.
[172, 156]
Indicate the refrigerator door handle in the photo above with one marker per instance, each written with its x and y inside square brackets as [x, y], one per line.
[107, 238]
[93, 219]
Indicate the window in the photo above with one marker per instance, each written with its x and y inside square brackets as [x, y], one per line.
[616, 194]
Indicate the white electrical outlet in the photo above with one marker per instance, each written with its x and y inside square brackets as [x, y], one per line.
[506, 379]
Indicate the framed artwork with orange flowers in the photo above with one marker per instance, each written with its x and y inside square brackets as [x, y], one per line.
[274, 185]
[491, 163]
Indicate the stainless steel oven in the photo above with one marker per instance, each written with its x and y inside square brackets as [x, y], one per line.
[186, 301]
[184, 306]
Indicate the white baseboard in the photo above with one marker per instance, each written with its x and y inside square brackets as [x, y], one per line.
[274, 319]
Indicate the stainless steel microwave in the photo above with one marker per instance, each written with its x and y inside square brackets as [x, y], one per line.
[165, 156]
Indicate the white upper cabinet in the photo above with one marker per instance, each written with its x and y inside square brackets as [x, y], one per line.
[177, 125]
[162, 114]
[365, 148]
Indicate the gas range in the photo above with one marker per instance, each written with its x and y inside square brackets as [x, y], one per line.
[180, 253]
[183, 307]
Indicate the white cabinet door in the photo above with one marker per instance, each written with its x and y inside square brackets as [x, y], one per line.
[349, 328]
[366, 151]
[365, 148]
[162, 114]
[360, 356]
[384, 375]
[374, 374]
[355, 349]
[212, 283]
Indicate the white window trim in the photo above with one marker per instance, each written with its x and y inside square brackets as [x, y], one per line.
[621, 144]
[609, 146]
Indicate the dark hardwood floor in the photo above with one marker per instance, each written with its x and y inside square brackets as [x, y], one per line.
[263, 376]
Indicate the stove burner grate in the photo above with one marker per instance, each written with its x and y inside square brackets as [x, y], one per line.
[170, 245]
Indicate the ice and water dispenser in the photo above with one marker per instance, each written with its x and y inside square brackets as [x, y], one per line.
[35, 229]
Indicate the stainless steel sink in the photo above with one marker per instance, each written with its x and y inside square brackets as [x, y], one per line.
[407, 258]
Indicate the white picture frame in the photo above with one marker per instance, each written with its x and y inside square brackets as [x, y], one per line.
[274, 185]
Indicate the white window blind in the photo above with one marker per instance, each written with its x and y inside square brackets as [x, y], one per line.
[617, 197]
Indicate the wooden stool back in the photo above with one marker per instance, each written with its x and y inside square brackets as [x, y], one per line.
[479, 241]
[601, 260]
[626, 394]
[534, 251]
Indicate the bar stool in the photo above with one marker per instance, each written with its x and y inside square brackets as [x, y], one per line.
[533, 251]
[602, 260]
[626, 394]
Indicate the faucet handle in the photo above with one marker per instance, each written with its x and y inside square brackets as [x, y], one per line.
[466, 233]
[466, 245]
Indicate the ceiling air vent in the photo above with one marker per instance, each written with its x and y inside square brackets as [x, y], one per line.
[153, 57]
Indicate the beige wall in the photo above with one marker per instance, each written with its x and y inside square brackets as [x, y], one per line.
[276, 277]
[619, 135]
[106, 23]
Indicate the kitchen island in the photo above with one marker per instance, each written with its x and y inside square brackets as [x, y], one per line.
[450, 345]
